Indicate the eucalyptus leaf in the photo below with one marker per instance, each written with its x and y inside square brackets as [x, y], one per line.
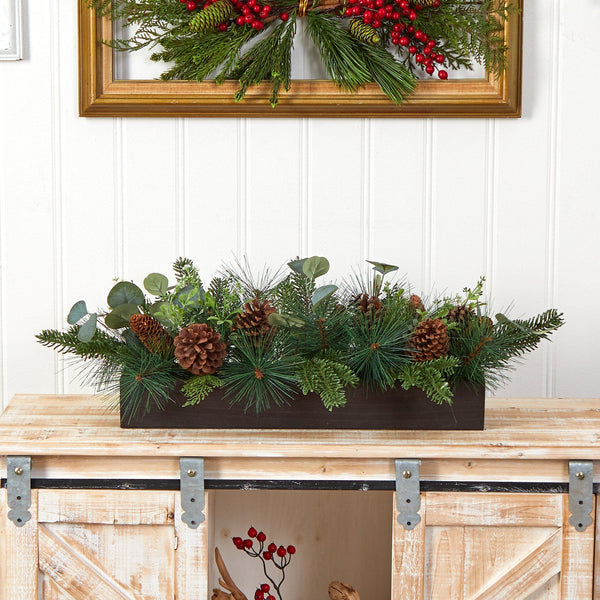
[296, 265]
[156, 284]
[77, 312]
[383, 268]
[88, 329]
[321, 294]
[282, 320]
[155, 307]
[131, 339]
[315, 266]
[125, 292]
[125, 311]
[113, 321]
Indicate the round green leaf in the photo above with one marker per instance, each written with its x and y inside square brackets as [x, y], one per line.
[296, 265]
[156, 284]
[321, 294]
[88, 329]
[280, 320]
[315, 266]
[77, 312]
[126, 310]
[383, 268]
[125, 292]
[113, 321]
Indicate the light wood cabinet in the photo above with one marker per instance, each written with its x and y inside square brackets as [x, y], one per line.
[507, 538]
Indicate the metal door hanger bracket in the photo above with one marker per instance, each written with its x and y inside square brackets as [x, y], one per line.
[18, 488]
[581, 493]
[408, 492]
[192, 491]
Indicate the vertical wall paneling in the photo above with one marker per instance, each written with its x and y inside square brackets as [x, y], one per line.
[273, 191]
[577, 283]
[215, 194]
[304, 162]
[397, 192]
[118, 207]
[427, 245]
[3, 290]
[182, 187]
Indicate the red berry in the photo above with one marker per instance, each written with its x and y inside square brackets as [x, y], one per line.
[436, 3]
[252, 532]
[419, 58]
[269, 597]
[429, 69]
[284, 16]
[240, 20]
[281, 551]
[223, 27]
[258, 595]
[440, 58]
[431, 43]
[267, 8]
[443, 74]
[191, 5]
[247, 543]
[419, 34]
[267, 555]
[291, 549]
[427, 50]
[395, 16]
[272, 548]
[412, 49]
[427, 62]
[404, 41]
[381, 13]
[376, 24]
[412, 15]
[368, 17]
[182, 1]
[404, 5]
[265, 587]
[261, 537]
[410, 29]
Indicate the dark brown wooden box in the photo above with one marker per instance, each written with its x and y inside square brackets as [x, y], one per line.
[393, 409]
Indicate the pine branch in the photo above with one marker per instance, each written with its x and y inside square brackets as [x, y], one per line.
[328, 378]
[102, 345]
[431, 377]
[198, 387]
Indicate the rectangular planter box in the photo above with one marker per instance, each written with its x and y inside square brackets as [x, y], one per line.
[393, 409]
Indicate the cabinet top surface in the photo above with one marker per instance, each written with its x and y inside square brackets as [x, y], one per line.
[515, 428]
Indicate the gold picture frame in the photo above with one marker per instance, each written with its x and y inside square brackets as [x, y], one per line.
[101, 95]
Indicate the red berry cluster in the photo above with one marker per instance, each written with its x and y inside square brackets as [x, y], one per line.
[378, 13]
[279, 556]
[253, 13]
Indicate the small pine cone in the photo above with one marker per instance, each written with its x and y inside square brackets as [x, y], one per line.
[460, 314]
[363, 31]
[415, 303]
[430, 340]
[199, 349]
[211, 16]
[422, 2]
[369, 304]
[151, 333]
[254, 319]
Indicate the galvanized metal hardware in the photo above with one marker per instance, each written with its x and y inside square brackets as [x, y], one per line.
[581, 493]
[192, 491]
[18, 488]
[408, 492]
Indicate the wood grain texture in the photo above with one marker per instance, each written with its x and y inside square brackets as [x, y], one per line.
[577, 570]
[408, 557]
[20, 575]
[475, 510]
[525, 429]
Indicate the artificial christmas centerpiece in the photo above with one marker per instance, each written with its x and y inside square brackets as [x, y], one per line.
[388, 42]
[284, 350]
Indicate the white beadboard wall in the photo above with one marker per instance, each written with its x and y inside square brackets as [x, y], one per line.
[85, 200]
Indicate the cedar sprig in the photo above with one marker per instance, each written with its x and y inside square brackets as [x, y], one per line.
[431, 377]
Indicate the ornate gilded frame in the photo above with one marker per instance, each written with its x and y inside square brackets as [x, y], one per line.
[101, 95]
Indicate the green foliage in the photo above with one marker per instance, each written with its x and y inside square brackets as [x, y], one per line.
[327, 377]
[379, 348]
[261, 371]
[198, 387]
[102, 344]
[431, 377]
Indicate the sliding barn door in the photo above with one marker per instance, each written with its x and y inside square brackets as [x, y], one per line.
[103, 545]
[492, 546]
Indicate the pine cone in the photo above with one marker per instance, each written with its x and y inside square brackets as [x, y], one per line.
[209, 17]
[151, 333]
[460, 314]
[369, 304]
[415, 303]
[254, 320]
[430, 340]
[363, 31]
[199, 349]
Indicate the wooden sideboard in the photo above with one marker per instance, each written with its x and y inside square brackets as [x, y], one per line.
[106, 517]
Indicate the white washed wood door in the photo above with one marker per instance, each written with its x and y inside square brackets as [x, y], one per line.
[103, 545]
[492, 546]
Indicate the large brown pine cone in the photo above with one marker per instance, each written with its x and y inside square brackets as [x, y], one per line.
[199, 349]
[460, 314]
[151, 333]
[254, 319]
[430, 340]
[369, 304]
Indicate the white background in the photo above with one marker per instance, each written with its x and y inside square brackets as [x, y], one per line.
[86, 200]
